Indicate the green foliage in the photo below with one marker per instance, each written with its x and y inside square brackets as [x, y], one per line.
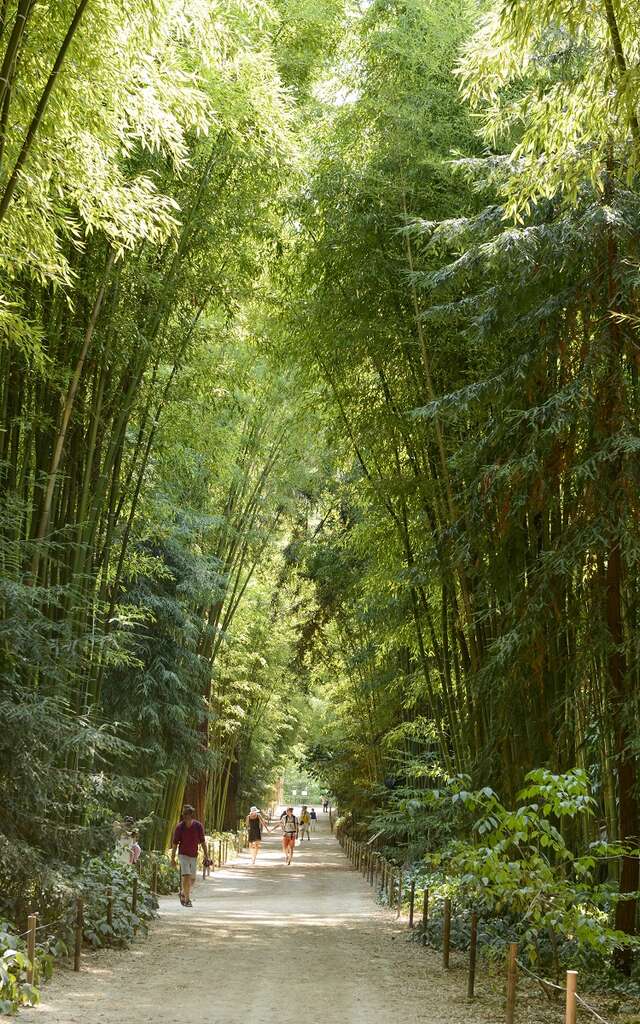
[318, 428]
[15, 991]
[513, 866]
[56, 902]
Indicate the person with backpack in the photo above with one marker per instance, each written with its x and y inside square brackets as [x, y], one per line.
[255, 825]
[305, 823]
[187, 837]
[289, 824]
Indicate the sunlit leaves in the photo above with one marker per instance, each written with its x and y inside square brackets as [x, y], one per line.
[549, 87]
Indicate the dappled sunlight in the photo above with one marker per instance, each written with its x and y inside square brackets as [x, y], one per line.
[251, 931]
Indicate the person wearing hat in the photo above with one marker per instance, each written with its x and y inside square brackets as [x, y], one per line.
[187, 837]
[255, 825]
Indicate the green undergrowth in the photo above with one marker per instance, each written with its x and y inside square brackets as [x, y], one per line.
[525, 871]
[56, 905]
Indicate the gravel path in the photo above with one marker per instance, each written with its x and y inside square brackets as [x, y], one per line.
[269, 944]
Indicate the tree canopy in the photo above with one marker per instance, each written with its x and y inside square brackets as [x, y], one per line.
[319, 429]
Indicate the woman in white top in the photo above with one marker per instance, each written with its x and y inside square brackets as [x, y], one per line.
[289, 824]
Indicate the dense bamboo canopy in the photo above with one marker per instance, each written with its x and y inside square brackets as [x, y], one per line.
[319, 427]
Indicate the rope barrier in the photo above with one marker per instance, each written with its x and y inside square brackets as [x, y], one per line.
[38, 928]
[543, 981]
[595, 1013]
[561, 988]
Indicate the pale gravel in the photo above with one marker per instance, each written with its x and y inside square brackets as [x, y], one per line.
[271, 944]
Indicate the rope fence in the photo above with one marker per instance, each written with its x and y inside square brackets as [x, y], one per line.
[388, 880]
[74, 915]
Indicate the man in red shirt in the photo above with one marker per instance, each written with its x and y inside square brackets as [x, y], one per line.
[187, 837]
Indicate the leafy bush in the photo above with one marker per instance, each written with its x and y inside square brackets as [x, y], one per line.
[168, 877]
[14, 988]
[515, 867]
[57, 905]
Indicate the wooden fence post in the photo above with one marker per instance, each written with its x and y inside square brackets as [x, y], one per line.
[32, 923]
[425, 915]
[473, 944]
[512, 981]
[79, 926]
[412, 900]
[134, 902]
[446, 934]
[570, 1006]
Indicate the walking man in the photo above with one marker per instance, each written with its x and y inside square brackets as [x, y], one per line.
[289, 824]
[305, 823]
[187, 837]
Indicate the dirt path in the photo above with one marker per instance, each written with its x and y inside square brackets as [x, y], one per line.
[267, 945]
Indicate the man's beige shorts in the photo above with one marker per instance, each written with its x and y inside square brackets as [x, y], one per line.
[188, 865]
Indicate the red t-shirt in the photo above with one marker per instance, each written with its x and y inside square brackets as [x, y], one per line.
[188, 838]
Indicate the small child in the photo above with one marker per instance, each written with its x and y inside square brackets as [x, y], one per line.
[135, 849]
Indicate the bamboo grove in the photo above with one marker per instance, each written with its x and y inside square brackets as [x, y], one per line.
[470, 301]
[319, 392]
[149, 452]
